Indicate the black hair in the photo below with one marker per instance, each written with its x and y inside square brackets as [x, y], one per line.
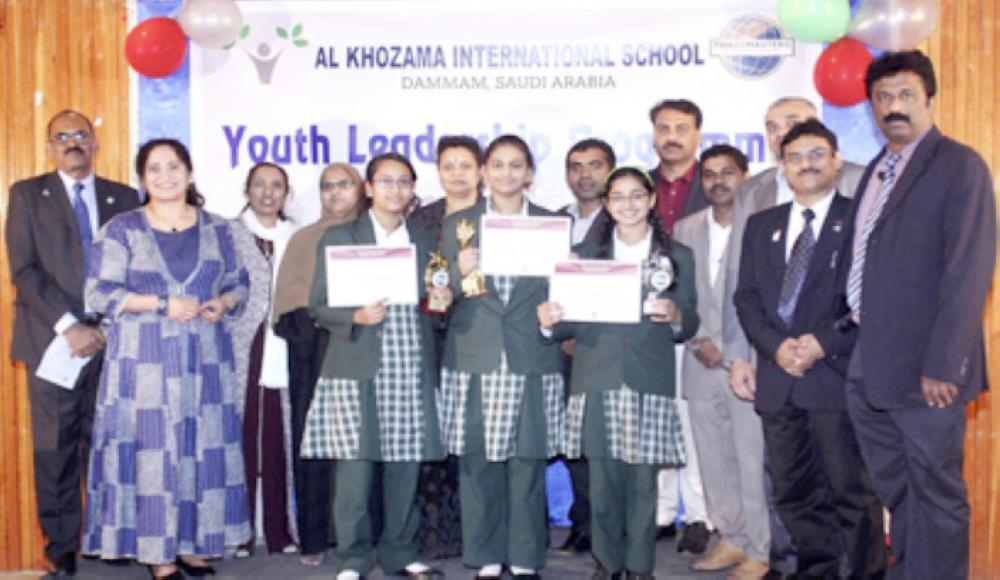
[284, 176]
[893, 63]
[460, 142]
[661, 238]
[513, 140]
[68, 113]
[591, 143]
[726, 150]
[191, 197]
[389, 156]
[813, 127]
[681, 105]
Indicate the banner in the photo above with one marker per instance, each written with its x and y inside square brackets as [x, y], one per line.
[309, 83]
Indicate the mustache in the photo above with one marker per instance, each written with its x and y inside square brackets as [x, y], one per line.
[896, 117]
[808, 170]
[672, 144]
[76, 148]
[717, 189]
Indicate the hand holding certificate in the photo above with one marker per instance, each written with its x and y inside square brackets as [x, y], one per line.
[597, 290]
[362, 275]
[523, 246]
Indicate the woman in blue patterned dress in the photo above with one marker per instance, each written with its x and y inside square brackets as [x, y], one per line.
[621, 413]
[166, 474]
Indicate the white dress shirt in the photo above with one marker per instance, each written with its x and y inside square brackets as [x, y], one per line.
[394, 239]
[796, 222]
[581, 225]
[718, 239]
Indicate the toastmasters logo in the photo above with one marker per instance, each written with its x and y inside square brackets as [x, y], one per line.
[751, 46]
[265, 46]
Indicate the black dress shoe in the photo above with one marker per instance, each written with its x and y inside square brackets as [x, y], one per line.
[666, 532]
[526, 576]
[429, 574]
[694, 538]
[639, 576]
[576, 543]
[194, 570]
[601, 573]
[63, 567]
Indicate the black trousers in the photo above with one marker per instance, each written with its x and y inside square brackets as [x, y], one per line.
[62, 422]
[823, 494]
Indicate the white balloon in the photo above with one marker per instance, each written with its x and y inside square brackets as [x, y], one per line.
[894, 24]
[211, 23]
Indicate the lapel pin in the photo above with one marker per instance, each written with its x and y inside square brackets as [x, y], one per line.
[838, 225]
[777, 236]
[109, 200]
[45, 193]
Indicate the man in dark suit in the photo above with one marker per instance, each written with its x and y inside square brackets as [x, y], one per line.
[50, 222]
[923, 248]
[789, 298]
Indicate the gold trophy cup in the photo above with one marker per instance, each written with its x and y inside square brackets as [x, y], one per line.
[436, 276]
[474, 283]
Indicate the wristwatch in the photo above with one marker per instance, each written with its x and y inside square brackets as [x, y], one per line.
[161, 305]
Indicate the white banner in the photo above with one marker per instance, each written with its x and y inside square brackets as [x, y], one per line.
[309, 83]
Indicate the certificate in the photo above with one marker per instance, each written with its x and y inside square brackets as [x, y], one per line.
[522, 246]
[360, 275]
[597, 290]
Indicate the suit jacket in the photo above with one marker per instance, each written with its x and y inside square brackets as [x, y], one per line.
[696, 199]
[639, 355]
[355, 351]
[698, 381]
[46, 256]
[820, 306]
[478, 328]
[758, 193]
[928, 267]
[601, 221]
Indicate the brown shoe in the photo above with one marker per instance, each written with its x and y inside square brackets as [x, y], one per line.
[749, 570]
[723, 555]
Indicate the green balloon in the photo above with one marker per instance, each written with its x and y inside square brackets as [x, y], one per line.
[815, 20]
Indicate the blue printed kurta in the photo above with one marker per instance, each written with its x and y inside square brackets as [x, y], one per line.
[166, 471]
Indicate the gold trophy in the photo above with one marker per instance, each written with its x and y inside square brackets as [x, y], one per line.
[474, 283]
[436, 276]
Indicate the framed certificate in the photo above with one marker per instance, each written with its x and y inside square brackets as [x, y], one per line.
[597, 290]
[359, 275]
[522, 246]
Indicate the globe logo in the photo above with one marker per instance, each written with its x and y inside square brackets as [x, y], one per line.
[751, 46]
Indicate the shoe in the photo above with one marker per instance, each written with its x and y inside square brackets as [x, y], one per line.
[480, 576]
[601, 573]
[723, 555]
[526, 576]
[312, 560]
[290, 549]
[694, 538]
[749, 570]
[639, 576]
[773, 574]
[175, 574]
[666, 532]
[576, 543]
[63, 567]
[195, 570]
[429, 574]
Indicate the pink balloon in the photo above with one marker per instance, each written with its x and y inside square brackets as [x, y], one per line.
[839, 74]
[894, 24]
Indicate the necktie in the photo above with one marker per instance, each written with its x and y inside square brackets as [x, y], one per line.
[888, 177]
[83, 221]
[504, 286]
[795, 270]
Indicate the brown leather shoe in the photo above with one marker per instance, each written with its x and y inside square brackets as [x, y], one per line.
[749, 570]
[723, 555]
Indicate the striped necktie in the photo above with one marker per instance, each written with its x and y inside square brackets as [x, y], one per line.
[795, 270]
[854, 278]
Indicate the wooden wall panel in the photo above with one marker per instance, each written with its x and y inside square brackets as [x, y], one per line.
[55, 54]
[58, 54]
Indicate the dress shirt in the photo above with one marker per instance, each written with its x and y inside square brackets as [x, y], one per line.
[89, 195]
[796, 222]
[672, 197]
[718, 239]
[490, 210]
[638, 252]
[581, 225]
[394, 239]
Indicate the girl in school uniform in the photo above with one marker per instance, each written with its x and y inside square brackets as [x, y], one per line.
[374, 402]
[501, 396]
[621, 412]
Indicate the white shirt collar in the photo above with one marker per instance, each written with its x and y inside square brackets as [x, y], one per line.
[796, 222]
[397, 237]
[634, 253]
[491, 211]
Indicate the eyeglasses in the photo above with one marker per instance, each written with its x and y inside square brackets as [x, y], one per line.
[342, 185]
[635, 196]
[813, 156]
[78, 136]
[387, 182]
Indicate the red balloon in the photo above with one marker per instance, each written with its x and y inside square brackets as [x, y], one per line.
[156, 47]
[839, 74]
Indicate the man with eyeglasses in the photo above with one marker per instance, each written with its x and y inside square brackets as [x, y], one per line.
[789, 297]
[727, 431]
[762, 191]
[51, 221]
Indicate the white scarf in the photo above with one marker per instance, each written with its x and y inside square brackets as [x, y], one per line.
[274, 366]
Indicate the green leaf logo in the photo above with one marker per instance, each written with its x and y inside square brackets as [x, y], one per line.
[282, 33]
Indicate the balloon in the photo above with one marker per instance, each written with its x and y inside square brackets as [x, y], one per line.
[815, 20]
[839, 74]
[156, 47]
[894, 24]
[211, 23]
